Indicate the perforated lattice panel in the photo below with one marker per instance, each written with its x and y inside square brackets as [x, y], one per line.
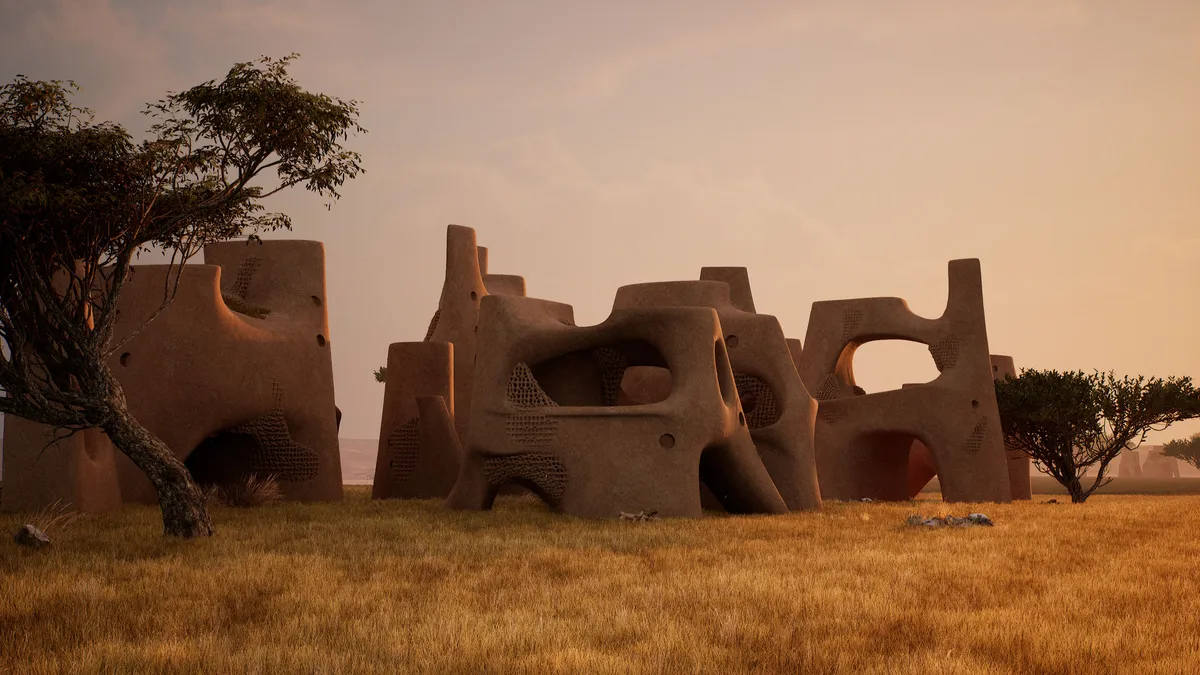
[759, 403]
[524, 392]
[945, 352]
[433, 325]
[404, 444]
[277, 452]
[245, 274]
[975, 441]
[546, 472]
[611, 363]
[851, 319]
[830, 388]
[532, 429]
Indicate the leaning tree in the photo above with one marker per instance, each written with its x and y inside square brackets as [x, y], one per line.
[79, 200]
[1187, 449]
[1068, 422]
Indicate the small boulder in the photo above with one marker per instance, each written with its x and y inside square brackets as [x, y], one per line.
[867, 500]
[980, 519]
[31, 536]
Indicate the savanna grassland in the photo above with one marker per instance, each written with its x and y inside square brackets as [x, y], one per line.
[1109, 586]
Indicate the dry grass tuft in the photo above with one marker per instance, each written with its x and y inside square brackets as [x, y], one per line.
[251, 492]
[54, 517]
[366, 586]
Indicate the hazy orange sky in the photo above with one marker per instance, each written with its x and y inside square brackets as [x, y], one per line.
[836, 149]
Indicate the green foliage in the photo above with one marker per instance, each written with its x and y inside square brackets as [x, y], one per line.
[381, 374]
[1187, 449]
[1068, 422]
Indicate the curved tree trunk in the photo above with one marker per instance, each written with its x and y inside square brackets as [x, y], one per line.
[184, 511]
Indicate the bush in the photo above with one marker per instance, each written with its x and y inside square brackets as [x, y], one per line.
[250, 492]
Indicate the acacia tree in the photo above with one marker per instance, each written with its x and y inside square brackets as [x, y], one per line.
[1068, 422]
[79, 200]
[1187, 449]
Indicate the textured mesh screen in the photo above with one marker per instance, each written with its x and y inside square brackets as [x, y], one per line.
[433, 325]
[945, 352]
[759, 403]
[611, 363]
[404, 444]
[277, 453]
[975, 441]
[545, 473]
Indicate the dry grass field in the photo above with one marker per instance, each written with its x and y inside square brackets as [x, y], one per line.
[1110, 586]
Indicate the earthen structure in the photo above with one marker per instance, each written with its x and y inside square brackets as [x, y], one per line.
[778, 409]
[417, 458]
[546, 414]
[921, 468]
[1158, 465]
[1129, 465]
[863, 442]
[235, 376]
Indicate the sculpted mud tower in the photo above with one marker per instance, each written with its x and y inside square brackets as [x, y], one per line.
[235, 376]
[778, 409]
[420, 444]
[863, 442]
[921, 468]
[546, 414]
[1158, 465]
[1130, 465]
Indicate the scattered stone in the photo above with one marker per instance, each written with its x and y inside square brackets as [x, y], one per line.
[918, 520]
[980, 519]
[867, 500]
[31, 536]
[1052, 501]
[641, 516]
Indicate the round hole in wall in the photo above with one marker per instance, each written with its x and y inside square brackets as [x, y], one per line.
[667, 441]
[125, 359]
[316, 300]
[474, 295]
[995, 369]
[731, 341]
[974, 404]
[321, 340]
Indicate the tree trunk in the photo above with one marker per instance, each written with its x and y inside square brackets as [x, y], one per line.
[184, 511]
[1075, 489]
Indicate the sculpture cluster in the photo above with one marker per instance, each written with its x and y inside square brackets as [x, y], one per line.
[684, 398]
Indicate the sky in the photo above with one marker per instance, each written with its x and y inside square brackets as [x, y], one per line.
[836, 149]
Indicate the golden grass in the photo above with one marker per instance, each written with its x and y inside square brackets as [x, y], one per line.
[1110, 586]
[1046, 485]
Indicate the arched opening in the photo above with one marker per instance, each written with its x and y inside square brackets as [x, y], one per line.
[595, 377]
[886, 365]
[222, 460]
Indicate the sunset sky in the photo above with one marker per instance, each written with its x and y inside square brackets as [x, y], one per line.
[836, 149]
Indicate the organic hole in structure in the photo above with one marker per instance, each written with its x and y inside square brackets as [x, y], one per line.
[741, 419]
[125, 359]
[320, 340]
[667, 441]
[974, 404]
[474, 295]
[731, 341]
[316, 300]
[616, 373]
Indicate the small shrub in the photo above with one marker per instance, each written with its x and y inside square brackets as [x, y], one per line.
[253, 491]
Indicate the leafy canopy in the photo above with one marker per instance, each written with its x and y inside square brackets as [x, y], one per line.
[1068, 422]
